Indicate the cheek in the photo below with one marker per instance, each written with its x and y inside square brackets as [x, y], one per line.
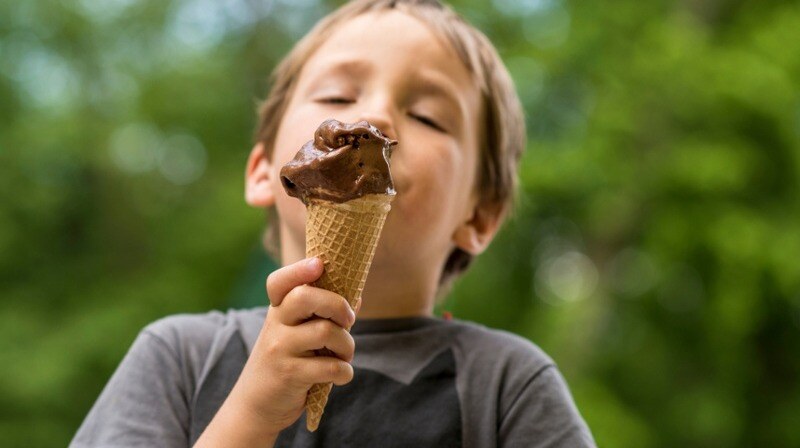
[292, 213]
[295, 130]
[430, 188]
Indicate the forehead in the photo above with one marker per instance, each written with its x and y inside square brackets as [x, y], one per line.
[393, 42]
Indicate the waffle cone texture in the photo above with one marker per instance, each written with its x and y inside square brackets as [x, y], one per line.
[344, 236]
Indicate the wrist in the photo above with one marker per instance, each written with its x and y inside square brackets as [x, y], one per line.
[236, 425]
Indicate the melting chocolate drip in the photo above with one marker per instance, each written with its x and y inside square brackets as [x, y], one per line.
[342, 162]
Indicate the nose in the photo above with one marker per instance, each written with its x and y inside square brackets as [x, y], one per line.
[381, 118]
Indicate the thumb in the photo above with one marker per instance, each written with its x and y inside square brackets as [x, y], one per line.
[283, 280]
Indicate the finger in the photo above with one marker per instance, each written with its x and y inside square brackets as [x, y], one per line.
[305, 302]
[283, 280]
[324, 369]
[320, 334]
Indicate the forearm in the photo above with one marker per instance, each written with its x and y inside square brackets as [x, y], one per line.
[233, 427]
[271, 391]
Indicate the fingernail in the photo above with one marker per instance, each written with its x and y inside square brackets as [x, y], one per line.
[313, 262]
[351, 318]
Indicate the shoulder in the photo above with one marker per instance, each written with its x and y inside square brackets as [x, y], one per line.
[193, 338]
[499, 361]
[203, 326]
[178, 328]
[516, 379]
[148, 400]
[487, 344]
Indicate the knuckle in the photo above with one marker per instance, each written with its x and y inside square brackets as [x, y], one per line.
[344, 373]
[334, 370]
[298, 293]
[325, 329]
[348, 373]
[345, 347]
[272, 348]
[344, 304]
[288, 371]
[304, 290]
[272, 288]
[300, 297]
[271, 279]
[351, 345]
[290, 296]
[276, 340]
[282, 368]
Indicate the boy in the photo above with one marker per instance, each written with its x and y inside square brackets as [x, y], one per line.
[427, 79]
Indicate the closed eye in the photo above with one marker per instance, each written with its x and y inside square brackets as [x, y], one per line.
[427, 121]
[336, 100]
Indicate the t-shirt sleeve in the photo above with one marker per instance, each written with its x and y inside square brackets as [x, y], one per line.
[544, 415]
[144, 404]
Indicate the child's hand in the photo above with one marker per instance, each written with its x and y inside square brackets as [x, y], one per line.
[283, 366]
[271, 391]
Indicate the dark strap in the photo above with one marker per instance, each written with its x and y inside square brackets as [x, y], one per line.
[216, 386]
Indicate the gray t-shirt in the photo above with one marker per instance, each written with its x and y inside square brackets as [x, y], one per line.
[418, 382]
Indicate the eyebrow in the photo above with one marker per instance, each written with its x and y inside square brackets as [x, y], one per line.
[425, 84]
[349, 67]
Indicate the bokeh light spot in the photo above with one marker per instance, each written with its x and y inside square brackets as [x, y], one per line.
[548, 28]
[47, 79]
[525, 7]
[569, 277]
[633, 272]
[105, 10]
[183, 159]
[135, 147]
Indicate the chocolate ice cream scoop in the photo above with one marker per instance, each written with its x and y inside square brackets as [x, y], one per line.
[343, 162]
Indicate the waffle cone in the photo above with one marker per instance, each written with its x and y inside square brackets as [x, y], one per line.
[344, 236]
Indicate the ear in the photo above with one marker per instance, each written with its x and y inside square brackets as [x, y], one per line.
[478, 230]
[258, 188]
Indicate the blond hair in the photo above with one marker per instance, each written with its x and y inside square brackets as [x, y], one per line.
[504, 126]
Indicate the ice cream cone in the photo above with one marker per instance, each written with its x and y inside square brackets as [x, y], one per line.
[344, 235]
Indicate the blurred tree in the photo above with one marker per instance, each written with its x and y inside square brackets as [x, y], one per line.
[652, 253]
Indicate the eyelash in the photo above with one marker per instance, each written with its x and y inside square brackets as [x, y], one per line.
[427, 122]
[420, 118]
[336, 100]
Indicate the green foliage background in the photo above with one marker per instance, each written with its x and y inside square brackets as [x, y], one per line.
[653, 254]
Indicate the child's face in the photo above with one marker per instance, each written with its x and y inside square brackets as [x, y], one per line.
[390, 69]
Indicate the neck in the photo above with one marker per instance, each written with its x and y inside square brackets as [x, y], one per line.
[387, 294]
